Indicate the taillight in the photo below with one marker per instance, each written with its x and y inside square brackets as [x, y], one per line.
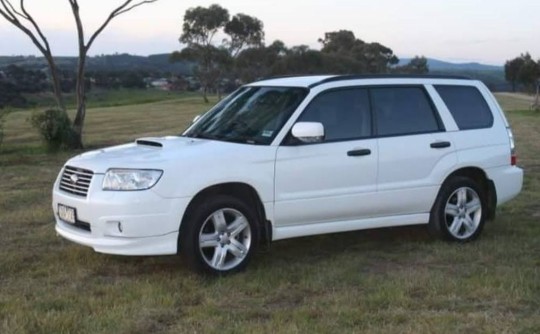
[513, 156]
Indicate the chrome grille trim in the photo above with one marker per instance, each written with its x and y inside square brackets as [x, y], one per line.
[83, 179]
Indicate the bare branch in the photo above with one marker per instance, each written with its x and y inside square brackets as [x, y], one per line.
[7, 12]
[80, 30]
[10, 14]
[135, 6]
[34, 24]
[12, 8]
[123, 8]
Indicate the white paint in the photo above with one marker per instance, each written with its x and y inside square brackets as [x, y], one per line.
[305, 189]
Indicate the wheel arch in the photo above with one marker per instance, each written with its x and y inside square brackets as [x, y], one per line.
[239, 190]
[478, 175]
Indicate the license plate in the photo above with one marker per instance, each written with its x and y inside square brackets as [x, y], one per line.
[67, 214]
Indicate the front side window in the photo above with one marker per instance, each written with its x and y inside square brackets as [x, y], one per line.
[467, 106]
[251, 115]
[345, 114]
[402, 111]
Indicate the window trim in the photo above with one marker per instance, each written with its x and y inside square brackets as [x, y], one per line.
[289, 140]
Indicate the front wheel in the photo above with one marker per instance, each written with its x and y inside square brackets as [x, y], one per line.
[459, 213]
[220, 236]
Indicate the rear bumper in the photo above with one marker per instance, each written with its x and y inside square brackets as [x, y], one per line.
[508, 182]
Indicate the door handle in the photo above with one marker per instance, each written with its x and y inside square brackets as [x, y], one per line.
[440, 144]
[359, 153]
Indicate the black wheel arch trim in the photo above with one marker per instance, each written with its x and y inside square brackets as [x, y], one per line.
[241, 191]
[485, 182]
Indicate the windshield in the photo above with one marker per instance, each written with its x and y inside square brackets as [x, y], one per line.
[251, 115]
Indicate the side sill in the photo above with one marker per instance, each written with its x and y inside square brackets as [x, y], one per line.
[286, 232]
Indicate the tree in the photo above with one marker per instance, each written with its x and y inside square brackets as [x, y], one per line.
[511, 71]
[341, 41]
[244, 31]
[259, 62]
[529, 72]
[198, 31]
[20, 17]
[201, 25]
[369, 57]
[417, 65]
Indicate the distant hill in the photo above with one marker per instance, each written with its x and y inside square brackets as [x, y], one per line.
[116, 62]
[439, 65]
[492, 76]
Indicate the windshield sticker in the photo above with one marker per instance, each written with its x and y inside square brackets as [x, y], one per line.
[267, 133]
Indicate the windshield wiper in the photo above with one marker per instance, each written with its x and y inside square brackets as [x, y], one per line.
[201, 135]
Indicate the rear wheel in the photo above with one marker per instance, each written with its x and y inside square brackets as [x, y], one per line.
[460, 210]
[221, 235]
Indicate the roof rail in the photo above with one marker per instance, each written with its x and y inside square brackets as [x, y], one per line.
[387, 76]
[285, 76]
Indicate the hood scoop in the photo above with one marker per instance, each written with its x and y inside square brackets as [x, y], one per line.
[147, 142]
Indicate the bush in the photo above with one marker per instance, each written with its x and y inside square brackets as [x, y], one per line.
[54, 128]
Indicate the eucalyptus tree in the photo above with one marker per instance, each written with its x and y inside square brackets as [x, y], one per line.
[19, 16]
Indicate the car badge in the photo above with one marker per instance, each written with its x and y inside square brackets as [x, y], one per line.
[74, 178]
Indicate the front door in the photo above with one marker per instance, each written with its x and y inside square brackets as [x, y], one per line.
[333, 180]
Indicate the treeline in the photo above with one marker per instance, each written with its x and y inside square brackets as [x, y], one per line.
[243, 56]
[16, 82]
[524, 71]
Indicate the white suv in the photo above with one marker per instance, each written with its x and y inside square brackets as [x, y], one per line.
[297, 156]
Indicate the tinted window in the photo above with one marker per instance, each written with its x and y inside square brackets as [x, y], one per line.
[467, 106]
[252, 115]
[403, 110]
[345, 114]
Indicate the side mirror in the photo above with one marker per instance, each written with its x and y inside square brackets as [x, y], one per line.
[195, 119]
[308, 132]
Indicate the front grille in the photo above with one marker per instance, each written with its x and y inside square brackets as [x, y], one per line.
[76, 181]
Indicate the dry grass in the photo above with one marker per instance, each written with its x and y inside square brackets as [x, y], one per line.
[514, 101]
[392, 280]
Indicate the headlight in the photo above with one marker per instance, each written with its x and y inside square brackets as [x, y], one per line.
[131, 179]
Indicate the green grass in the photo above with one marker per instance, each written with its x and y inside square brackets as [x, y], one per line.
[377, 281]
[98, 98]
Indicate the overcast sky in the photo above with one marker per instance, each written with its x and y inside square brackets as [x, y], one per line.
[488, 31]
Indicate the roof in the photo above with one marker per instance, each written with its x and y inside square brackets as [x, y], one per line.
[293, 81]
[316, 80]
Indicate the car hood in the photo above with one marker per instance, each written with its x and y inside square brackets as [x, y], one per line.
[152, 153]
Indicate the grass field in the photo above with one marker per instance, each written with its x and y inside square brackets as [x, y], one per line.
[378, 281]
[108, 97]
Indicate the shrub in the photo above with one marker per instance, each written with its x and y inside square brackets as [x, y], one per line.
[54, 128]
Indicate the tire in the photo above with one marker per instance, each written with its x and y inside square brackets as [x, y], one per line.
[220, 236]
[460, 210]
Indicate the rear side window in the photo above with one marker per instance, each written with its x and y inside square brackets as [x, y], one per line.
[467, 106]
[402, 111]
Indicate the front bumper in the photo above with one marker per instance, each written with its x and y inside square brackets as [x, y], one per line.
[122, 223]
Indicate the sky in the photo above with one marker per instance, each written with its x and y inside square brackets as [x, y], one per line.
[486, 31]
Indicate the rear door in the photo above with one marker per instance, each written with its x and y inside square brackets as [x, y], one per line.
[414, 149]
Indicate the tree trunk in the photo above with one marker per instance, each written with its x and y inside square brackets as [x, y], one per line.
[536, 104]
[57, 87]
[205, 94]
[80, 92]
